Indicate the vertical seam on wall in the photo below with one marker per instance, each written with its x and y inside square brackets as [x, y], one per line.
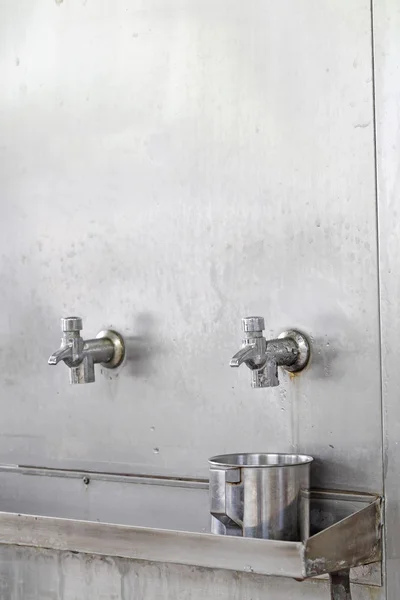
[380, 344]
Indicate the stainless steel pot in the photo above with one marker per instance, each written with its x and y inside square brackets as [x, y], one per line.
[260, 495]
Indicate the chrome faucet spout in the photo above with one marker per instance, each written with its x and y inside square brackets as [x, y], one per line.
[244, 354]
[61, 354]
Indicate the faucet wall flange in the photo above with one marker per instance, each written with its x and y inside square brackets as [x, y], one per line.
[119, 348]
[304, 351]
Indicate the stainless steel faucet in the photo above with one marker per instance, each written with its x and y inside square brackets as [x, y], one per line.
[290, 350]
[81, 355]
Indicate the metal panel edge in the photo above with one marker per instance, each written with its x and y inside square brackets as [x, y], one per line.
[386, 57]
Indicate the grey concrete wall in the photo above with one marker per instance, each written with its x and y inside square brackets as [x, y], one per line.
[27, 574]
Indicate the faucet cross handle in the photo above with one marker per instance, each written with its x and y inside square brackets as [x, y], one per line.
[63, 353]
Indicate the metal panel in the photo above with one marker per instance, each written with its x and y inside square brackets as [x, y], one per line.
[387, 93]
[166, 168]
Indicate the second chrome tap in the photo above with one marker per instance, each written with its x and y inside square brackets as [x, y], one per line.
[290, 350]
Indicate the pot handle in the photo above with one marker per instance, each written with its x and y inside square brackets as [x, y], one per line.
[224, 488]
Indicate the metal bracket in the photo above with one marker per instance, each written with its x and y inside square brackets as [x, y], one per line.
[340, 585]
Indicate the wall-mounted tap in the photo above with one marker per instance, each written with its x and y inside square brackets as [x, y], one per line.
[263, 357]
[81, 355]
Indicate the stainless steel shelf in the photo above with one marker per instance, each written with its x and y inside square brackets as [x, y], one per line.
[352, 541]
